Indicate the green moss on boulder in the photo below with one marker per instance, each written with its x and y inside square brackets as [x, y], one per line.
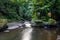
[3, 22]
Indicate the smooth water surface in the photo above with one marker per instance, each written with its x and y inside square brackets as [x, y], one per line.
[29, 34]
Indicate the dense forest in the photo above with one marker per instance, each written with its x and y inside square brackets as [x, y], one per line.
[29, 9]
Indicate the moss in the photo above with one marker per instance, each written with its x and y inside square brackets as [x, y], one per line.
[3, 22]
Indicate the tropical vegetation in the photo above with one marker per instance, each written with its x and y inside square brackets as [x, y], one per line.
[32, 10]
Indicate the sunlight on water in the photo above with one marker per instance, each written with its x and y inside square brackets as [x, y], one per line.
[26, 34]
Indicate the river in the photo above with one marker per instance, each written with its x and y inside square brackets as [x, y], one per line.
[29, 34]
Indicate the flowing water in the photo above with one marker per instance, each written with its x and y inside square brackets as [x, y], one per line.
[29, 34]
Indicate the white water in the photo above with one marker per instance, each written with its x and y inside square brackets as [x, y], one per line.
[27, 24]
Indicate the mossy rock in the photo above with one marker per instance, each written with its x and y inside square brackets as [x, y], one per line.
[51, 21]
[3, 22]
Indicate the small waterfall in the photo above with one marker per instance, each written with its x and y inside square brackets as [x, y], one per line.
[27, 24]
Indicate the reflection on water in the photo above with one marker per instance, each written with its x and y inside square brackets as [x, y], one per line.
[8, 35]
[37, 34]
[29, 34]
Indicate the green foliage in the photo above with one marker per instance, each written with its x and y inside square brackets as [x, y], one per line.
[9, 9]
[27, 9]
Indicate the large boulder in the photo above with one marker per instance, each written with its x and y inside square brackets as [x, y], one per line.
[3, 22]
[3, 25]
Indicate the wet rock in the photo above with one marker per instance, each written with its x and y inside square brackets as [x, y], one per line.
[46, 25]
[3, 28]
[14, 25]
